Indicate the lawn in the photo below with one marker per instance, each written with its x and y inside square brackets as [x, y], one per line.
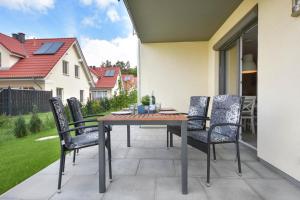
[23, 157]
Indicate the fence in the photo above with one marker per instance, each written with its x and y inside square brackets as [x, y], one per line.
[15, 101]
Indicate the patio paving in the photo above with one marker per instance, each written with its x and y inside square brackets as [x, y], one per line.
[150, 171]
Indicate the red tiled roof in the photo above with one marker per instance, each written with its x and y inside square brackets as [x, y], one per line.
[37, 66]
[104, 81]
[12, 45]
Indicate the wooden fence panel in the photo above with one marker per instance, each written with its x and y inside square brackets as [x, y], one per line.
[15, 101]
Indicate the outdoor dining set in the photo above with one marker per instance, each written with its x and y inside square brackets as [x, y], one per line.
[195, 129]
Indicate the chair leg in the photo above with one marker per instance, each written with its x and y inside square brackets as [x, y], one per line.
[171, 139]
[77, 151]
[214, 151]
[64, 163]
[208, 166]
[109, 155]
[168, 139]
[238, 157]
[60, 170]
[252, 126]
[74, 156]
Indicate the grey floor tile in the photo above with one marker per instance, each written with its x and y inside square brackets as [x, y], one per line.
[80, 187]
[170, 188]
[125, 167]
[262, 170]
[151, 167]
[227, 168]
[230, 189]
[40, 186]
[275, 189]
[130, 195]
[230, 154]
[141, 153]
[196, 168]
[132, 183]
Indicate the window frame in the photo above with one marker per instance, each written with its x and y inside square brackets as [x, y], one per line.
[61, 91]
[81, 95]
[67, 67]
[77, 73]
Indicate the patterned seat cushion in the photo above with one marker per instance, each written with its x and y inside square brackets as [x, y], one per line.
[202, 136]
[198, 107]
[85, 140]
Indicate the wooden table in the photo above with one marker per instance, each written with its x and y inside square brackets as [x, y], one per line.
[144, 119]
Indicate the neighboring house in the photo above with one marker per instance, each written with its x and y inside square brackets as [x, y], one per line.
[129, 82]
[52, 64]
[108, 82]
[203, 51]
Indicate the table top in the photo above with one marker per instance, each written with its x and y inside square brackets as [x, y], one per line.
[144, 117]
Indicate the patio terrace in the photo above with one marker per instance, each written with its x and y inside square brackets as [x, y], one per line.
[150, 171]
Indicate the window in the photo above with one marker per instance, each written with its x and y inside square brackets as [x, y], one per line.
[65, 67]
[99, 94]
[76, 71]
[59, 93]
[81, 95]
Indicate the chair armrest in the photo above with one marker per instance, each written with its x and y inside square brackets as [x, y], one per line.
[83, 121]
[96, 115]
[76, 128]
[191, 118]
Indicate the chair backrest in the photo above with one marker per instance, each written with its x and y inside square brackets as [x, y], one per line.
[75, 109]
[61, 120]
[226, 109]
[198, 107]
[249, 105]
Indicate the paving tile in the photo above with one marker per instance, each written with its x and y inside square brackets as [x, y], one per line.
[196, 168]
[40, 186]
[230, 154]
[262, 170]
[153, 153]
[229, 189]
[170, 188]
[151, 167]
[80, 187]
[124, 167]
[275, 189]
[226, 168]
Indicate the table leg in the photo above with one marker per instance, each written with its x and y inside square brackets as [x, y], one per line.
[184, 158]
[128, 135]
[101, 146]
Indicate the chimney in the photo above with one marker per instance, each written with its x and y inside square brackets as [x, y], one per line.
[20, 37]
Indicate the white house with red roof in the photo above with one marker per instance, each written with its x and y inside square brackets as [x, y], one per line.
[52, 64]
[129, 82]
[108, 82]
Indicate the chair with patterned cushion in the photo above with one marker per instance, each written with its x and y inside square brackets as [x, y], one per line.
[67, 141]
[198, 108]
[224, 127]
[76, 114]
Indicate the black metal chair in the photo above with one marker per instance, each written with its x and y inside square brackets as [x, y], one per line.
[198, 107]
[67, 141]
[76, 114]
[224, 128]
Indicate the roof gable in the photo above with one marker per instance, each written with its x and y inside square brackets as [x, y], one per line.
[105, 81]
[12, 45]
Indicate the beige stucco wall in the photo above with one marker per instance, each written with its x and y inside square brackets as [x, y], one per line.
[70, 84]
[19, 84]
[7, 60]
[278, 82]
[174, 72]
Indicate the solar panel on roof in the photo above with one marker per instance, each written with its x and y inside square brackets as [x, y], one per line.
[109, 73]
[48, 48]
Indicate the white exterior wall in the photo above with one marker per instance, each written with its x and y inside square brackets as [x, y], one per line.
[20, 84]
[70, 84]
[7, 60]
[278, 81]
[174, 72]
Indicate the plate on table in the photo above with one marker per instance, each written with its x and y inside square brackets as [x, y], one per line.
[121, 113]
[167, 109]
[169, 112]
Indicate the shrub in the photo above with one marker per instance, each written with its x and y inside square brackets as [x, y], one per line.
[146, 100]
[20, 129]
[3, 120]
[49, 122]
[35, 124]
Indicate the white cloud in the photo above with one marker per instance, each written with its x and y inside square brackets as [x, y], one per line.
[113, 15]
[91, 21]
[26, 5]
[97, 51]
[99, 3]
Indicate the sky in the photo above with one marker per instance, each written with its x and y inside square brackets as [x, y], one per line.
[102, 27]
